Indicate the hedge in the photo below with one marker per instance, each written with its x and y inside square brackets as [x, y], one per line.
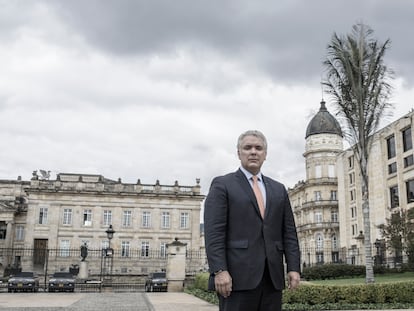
[331, 297]
[334, 271]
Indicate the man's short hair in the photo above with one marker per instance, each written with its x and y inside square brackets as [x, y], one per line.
[255, 133]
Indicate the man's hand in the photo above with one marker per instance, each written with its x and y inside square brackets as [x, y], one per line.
[223, 283]
[293, 279]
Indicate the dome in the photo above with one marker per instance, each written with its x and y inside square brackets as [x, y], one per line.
[323, 123]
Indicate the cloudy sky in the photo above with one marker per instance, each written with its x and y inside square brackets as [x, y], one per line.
[161, 89]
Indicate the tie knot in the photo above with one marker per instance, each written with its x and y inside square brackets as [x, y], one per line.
[255, 178]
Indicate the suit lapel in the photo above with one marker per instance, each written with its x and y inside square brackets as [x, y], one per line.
[268, 195]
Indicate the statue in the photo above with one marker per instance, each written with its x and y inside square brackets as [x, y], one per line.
[84, 251]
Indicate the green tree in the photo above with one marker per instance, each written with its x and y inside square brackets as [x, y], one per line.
[399, 233]
[358, 82]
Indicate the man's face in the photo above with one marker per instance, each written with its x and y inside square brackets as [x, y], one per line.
[252, 154]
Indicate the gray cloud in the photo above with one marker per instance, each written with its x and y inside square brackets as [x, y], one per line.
[162, 89]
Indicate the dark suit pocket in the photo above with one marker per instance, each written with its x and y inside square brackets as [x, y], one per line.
[238, 244]
[279, 246]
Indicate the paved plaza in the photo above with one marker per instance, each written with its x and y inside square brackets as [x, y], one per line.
[103, 302]
[109, 301]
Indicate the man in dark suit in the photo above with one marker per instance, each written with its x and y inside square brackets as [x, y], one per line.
[249, 228]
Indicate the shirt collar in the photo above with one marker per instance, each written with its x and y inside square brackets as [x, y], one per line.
[250, 175]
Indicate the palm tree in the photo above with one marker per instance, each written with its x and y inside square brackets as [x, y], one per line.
[358, 82]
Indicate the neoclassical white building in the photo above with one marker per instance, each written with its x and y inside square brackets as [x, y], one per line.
[40, 215]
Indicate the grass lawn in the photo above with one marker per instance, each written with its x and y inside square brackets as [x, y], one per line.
[380, 278]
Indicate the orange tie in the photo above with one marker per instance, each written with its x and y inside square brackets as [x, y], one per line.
[259, 196]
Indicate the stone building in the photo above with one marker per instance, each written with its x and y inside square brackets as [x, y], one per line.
[314, 200]
[391, 188]
[51, 219]
[328, 205]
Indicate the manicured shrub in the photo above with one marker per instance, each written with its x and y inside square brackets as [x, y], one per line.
[331, 297]
[335, 271]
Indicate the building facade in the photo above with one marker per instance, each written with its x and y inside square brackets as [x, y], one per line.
[59, 216]
[314, 200]
[391, 188]
[328, 204]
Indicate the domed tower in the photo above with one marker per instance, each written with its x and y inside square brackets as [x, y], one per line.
[314, 200]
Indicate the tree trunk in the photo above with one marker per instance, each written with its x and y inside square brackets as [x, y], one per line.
[369, 270]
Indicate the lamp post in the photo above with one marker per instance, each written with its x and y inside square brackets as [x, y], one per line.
[108, 257]
[109, 234]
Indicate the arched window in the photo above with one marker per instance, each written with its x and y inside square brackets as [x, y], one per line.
[319, 241]
[334, 241]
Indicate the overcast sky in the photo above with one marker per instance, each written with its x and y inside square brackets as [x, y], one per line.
[162, 89]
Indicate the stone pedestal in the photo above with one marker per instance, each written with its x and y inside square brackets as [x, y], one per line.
[176, 266]
[83, 270]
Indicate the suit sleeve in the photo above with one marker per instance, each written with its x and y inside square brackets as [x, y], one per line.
[290, 238]
[215, 225]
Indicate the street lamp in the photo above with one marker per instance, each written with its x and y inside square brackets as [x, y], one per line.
[106, 264]
[109, 234]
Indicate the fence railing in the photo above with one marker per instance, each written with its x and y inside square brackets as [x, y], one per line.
[124, 262]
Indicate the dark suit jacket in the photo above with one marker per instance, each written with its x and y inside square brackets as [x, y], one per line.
[237, 239]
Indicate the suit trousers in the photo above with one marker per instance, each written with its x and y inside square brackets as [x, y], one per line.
[263, 298]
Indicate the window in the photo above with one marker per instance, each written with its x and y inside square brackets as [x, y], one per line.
[146, 220]
[354, 229]
[64, 250]
[333, 195]
[145, 249]
[407, 140]
[334, 242]
[394, 198]
[319, 257]
[409, 185]
[87, 217]
[318, 171]
[318, 196]
[3, 230]
[351, 178]
[165, 220]
[318, 217]
[334, 216]
[392, 168]
[67, 216]
[107, 217]
[352, 195]
[43, 216]
[331, 171]
[408, 161]
[163, 249]
[184, 220]
[353, 212]
[125, 249]
[351, 162]
[319, 242]
[127, 219]
[391, 147]
[19, 233]
[104, 244]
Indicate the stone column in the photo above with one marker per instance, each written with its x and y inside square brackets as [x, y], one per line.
[176, 265]
[83, 270]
